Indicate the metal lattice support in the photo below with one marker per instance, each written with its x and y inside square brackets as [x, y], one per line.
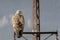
[36, 23]
[51, 33]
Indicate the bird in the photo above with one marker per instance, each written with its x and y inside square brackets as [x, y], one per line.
[18, 22]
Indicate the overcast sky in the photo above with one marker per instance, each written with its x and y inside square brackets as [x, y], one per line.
[49, 15]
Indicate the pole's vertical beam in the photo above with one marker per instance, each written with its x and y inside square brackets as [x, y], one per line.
[57, 36]
[36, 19]
[34, 37]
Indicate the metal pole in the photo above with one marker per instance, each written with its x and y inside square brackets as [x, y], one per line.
[57, 36]
[36, 19]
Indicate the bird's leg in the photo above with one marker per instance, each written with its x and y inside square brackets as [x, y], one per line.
[14, 36]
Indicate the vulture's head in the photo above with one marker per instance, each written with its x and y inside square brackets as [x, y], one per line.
[18, 12]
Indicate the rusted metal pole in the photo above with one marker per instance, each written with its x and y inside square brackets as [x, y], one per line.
[35, 19]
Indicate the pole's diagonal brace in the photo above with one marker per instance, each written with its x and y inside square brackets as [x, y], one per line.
[48, 36]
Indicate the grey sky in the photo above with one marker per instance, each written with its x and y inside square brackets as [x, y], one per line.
[49, 14]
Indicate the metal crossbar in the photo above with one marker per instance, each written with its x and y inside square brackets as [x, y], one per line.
[39, 32]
